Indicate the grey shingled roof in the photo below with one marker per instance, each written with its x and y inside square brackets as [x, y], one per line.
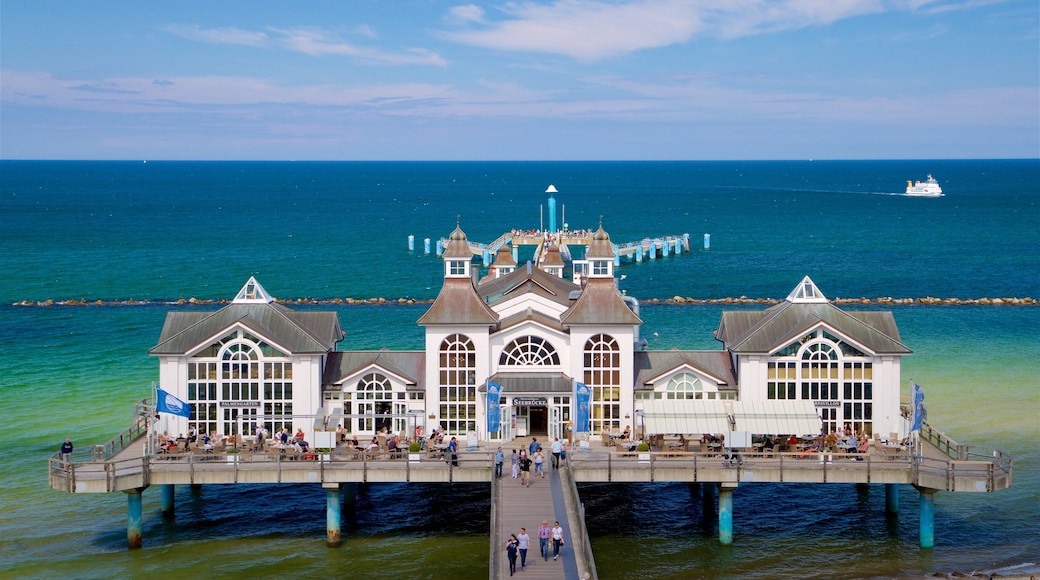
[765, 331]
[410, 365]
[458, 303]
[297, 332]
[526, 279]
[600, 303]
[649, 365]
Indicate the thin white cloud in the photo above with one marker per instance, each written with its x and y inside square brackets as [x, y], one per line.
[312, 41]
[590, 30]
[673, 101]
[235, 36]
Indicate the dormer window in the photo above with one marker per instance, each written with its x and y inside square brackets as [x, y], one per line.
[601, 268]
[457, 268]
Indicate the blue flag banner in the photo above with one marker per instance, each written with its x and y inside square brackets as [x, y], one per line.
[582, 394]
[167, 403]
[494, 410]
[917, 418]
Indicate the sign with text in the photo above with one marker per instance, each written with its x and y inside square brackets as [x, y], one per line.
[530, 402]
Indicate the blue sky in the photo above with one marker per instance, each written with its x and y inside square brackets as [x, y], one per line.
[519, 80]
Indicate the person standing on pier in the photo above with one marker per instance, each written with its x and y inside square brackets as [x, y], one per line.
[543, 539]
[516, 464]
[499, 460]
[557, 449]
[557, 540]
[66, 451]
[525, 543]
[525, 471]
[511, 547]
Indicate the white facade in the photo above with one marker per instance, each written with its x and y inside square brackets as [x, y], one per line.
[537, 335]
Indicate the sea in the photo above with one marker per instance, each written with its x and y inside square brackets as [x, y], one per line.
[95, 253]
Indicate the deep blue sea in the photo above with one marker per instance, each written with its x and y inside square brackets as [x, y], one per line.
[160, 231]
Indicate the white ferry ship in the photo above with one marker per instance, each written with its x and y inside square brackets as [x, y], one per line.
[927, 188]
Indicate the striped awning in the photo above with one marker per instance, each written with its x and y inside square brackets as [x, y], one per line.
[692, 417]
[776, 417]
[685, 417]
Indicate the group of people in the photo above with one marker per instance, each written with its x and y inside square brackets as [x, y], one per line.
[524, 460]
[518, 544]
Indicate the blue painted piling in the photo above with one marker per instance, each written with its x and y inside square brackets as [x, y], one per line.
[927, 518]
[707, 241]
[411, 242]
[639, 253]
[486, 257]
[617, 255]
[333, 500]
[167, 500]
[664, 248]
[133, 518]
[725, 515]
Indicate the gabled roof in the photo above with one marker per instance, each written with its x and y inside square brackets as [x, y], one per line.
[774, 328]
[458, 303]
[410, 366]
[651, 365]
[532, 315]
[600, 303]
[296, 332]
[527, 279]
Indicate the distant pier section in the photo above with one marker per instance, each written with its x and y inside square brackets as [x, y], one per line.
[570, 240]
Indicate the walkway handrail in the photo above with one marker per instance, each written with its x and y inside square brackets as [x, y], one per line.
[493, 555]
[107, 450]
[584, 544]
[617, 465]
[958, 452]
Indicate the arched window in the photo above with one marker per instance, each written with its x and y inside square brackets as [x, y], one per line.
[529, 351]
[375, 395]
[602, 373]
[821, 366]
[685, 386]
[458, 390]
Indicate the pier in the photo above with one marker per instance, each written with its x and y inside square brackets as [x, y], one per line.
[637, 251]
[941, 465]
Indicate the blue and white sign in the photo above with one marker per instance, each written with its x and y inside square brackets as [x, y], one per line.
[917, 419]
[582, 394]
[494, 410]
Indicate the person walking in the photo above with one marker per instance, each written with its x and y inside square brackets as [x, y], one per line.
[525, 471]
[524, 543]
[499, 459]
[539, 459]
[543, 539]
[66, 451]
[511, 548]
[557, 540]
[516, 464]
[533, 446]
[557, 449]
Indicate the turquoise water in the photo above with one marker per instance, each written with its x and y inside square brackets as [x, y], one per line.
[163, 231]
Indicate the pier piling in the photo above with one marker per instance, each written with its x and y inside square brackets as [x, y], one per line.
[891, 499]
[725, 514]
[133, 518]
[167, 500]
[333, 501]
[927, 517]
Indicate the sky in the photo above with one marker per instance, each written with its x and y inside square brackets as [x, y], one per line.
[520, 80]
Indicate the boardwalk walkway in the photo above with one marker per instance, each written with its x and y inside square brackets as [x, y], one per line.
[526, 507]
